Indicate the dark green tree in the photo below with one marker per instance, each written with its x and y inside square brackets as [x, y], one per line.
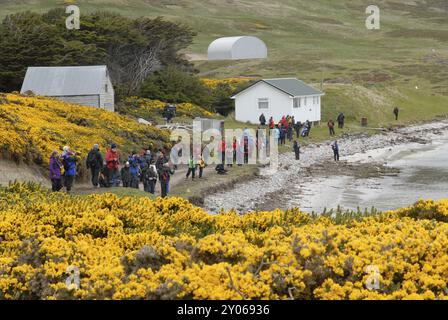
[132, 49]
[176, 86]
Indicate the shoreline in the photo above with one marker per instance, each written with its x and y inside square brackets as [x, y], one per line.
[294, 177]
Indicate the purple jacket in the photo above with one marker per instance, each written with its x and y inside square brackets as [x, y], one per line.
[55, 168]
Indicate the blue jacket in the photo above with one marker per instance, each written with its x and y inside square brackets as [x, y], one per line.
[69, 161]
[134, 166]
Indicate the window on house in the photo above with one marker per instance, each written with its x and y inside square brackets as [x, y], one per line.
[296, 103]
[263, 103]
[107, 88]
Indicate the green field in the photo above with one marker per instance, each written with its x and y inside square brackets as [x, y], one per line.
[304, 38]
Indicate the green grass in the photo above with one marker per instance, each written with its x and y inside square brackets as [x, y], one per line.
[213, 182]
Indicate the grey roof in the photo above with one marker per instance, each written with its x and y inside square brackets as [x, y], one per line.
[291, 86]
[64, 81]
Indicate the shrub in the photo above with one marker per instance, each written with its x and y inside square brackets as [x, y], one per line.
[136, 248]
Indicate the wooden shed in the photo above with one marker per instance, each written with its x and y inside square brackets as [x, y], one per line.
[85, 85]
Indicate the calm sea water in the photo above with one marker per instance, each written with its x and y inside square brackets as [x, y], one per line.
[423, 174]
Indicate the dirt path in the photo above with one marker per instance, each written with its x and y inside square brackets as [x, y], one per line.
[177, 179]
[10, 171]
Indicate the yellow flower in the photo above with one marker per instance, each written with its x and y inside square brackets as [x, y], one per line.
[137, 248]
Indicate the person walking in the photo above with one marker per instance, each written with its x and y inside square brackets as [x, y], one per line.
[191, 168]
[150, 179]
[341, 120]
[290, 132]
[297, 128]
[222, 150]
[276, 134]
[134, 170]
[396, 112]
[145, 161]
[262, 120]
[296, 149]
[240, 153]
[126, 175]
[330, 125]
[55, 172]
[113, 163]
[69, 160]
[94, 162]
[271, 123]
[335, 148]
[165, 173]
[201, 165]
[306, 129]
[283, 133]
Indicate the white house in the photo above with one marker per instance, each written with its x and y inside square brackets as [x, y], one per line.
[277, 98]
[86, 85]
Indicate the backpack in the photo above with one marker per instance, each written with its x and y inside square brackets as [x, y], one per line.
[91, 159]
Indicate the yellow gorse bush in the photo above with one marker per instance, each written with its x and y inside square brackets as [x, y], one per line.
[137, 248]
[150, 109]
[32, 127]
[234, 83]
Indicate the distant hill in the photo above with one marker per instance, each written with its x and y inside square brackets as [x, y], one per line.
[307, 38]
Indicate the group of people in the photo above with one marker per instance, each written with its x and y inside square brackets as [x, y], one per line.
[63, 169]
[238, 151]
[143, 167]
[331, 125]
[286, 127]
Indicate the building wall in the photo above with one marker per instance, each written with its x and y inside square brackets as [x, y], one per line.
[107, 98]
[309, 111]
[246, 104]
[89, 100]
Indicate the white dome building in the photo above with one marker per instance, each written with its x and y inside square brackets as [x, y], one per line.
[235, 48]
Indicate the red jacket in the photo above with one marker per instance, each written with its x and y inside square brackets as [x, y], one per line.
[222, 146]
[112, 159]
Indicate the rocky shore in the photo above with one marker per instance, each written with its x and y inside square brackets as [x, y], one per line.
[271, 191]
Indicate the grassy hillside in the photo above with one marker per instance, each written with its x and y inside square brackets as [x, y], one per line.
[32, 127]
[304, 37]
[315, 40]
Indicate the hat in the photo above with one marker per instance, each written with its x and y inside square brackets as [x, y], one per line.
[148, 151]
[96, 146]
[113, 146]
[66, 148]
[127, 163]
